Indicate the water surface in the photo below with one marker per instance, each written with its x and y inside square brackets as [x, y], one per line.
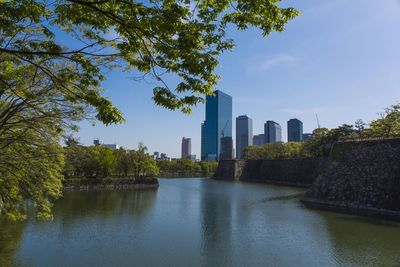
[197, 222]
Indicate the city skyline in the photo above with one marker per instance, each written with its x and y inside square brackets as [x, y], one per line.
[348, 74]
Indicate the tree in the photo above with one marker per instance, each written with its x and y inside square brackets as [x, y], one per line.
[360, 126]
[179, 37]
[122, 162]
[48, 84]
[389, 123]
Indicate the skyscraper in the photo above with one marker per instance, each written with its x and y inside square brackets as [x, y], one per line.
[295, 130]
[272, 132]
[226, 148]
[258, 140]
[186, 147]
[218, 124]
[244, 134]
[203, 142]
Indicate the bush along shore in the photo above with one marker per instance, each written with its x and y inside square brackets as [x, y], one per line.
[184, 168]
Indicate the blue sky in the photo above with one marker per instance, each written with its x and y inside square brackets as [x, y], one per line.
[339, 59]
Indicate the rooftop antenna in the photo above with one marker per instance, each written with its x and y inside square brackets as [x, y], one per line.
[316, 115]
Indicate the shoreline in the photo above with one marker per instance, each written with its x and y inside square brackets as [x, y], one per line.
[351, 209]
[109, 184]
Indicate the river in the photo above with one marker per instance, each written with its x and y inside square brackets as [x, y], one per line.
[197, 222]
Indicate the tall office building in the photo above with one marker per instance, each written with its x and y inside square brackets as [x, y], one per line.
[295, 130]
[258, 140]
[218, 124]
[244, 134]
[226, 148]
[186, 148]
[203, 142]
[272, 132]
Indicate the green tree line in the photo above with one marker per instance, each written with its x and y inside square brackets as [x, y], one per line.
[95, 162]
[387, 126]
[185, 167]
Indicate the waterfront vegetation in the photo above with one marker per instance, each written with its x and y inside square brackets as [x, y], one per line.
[186, 168]
[387, 126]
[97, 162]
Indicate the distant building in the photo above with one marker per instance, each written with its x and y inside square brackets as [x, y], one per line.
[307, 136]
[244, 134]
[226, 148]
[203, 142]
[192, 157]
[111, 146]
[295, 130]
[186, 148]
[98, 142]
[218, 124]
[258, 140]
[164, 156]
[272, 132]
[156, 155]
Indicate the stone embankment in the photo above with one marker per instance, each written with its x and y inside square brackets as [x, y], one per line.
[358, 177]
[295, 172]
[361, 178]
[109, 184]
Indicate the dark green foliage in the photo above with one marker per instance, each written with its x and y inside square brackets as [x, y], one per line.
[185, 167]
[276, 151]
[97, 162]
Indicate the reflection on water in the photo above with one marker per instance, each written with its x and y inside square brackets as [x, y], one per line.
[197, 222]
[10, 239]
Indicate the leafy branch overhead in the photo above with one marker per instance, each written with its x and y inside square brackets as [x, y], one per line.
[178, 37]
[53, 59]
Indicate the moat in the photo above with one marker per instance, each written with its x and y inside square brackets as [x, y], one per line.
[198, 222]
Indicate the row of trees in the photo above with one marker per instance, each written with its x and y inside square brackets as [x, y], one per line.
[388, 125]
[97, 162]
[184, 167]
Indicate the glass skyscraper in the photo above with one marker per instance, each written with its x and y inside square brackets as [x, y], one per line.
[272, 132]
[244, 134]
[295, 130]
[218, 124]
[203, 141]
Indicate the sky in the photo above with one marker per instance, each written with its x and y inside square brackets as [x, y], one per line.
[340, 59]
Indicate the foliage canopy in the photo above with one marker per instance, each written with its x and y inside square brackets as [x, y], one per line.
[155, 37]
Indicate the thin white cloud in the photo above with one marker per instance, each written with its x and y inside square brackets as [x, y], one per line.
[270, 63]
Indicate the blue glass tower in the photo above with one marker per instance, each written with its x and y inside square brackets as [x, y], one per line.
[244, 134]
[272, 132]
[295, 130]
[218, 125]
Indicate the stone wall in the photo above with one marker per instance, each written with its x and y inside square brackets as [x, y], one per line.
[357, 177]
[298, 172]
[361, 177]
